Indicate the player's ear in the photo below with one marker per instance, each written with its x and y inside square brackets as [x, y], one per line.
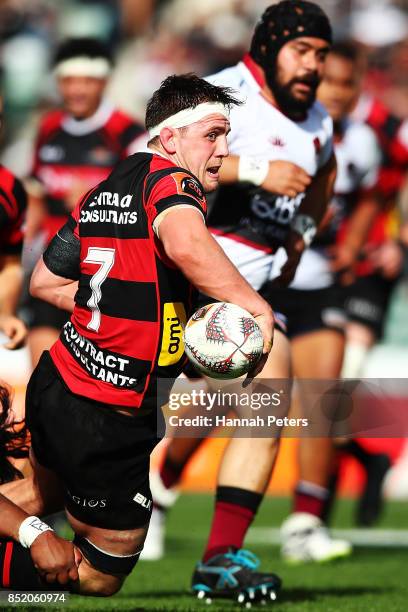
[167, 140]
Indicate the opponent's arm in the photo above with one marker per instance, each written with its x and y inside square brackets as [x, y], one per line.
[345, 255]
[281, 177]
[319, 192]
[307, 219]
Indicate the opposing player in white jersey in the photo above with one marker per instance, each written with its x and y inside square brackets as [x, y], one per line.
[277, 183]
[313, 304]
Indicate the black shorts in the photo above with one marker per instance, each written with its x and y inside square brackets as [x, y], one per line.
[102, 457]
[366, 301]
[43, 314]
[307, 311]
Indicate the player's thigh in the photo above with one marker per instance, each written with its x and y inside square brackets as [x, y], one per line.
[318, 354]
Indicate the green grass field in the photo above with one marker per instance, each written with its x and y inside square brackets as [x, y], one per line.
[374, 579]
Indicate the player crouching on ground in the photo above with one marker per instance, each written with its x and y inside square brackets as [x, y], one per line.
[119, 271]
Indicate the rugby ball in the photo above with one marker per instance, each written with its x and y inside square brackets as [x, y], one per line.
[223, 340]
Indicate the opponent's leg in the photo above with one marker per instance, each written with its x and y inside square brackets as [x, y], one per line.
[303, 533]
[359, 340]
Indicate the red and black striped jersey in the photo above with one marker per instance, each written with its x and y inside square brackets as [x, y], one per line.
[390, 132]
[13, 204]
[72, 154]
[132, 302]
[392, 135]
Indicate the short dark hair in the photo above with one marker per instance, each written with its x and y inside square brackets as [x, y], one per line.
[77, 47]
[346, 49]
[181, 91]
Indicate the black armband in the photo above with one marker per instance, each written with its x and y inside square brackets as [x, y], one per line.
[62, 256]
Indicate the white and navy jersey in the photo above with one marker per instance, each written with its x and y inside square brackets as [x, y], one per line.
[247, 213]
[358, 159]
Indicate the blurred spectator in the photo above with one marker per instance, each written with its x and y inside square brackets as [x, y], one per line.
[13, 203]
[76, 148]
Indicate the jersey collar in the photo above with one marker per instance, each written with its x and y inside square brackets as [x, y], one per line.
[93, 123]
[251, 71]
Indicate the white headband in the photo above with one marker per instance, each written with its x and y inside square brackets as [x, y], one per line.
[189, 116]
[96, 67]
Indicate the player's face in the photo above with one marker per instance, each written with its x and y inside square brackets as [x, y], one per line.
[201, 148]
[81, 95]
[296, 74]
[339, 88]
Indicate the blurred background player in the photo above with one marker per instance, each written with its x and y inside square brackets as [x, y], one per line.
[13, 204]
[377, 271]
[381, 258]
[77, 146]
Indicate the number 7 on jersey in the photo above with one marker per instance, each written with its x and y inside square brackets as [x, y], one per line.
[105, 258]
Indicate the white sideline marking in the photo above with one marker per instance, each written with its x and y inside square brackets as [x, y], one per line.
[385, 538]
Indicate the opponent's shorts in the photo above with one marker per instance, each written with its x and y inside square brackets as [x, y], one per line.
[366, 301]
[307, 311]
[43, 314]
[102, 457]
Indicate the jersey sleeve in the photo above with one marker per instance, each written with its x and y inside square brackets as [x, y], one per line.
[62, 256]
[13, 204]
[47, 126]
[399, 146]
[176, 190]
[372, 160]
[327, 148]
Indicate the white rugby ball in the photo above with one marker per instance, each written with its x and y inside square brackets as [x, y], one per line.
[223, 340]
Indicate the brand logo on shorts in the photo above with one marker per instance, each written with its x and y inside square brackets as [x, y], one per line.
[87, 503]
[143, 501]
[174, 321]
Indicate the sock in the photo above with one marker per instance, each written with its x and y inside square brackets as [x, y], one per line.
[17, 571]
[357, 451]
[170, 472]
[310, 498]
[329, 502]
[235, 510]
[355, 355]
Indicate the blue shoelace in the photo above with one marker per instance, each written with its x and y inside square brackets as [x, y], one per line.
[245, 558]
